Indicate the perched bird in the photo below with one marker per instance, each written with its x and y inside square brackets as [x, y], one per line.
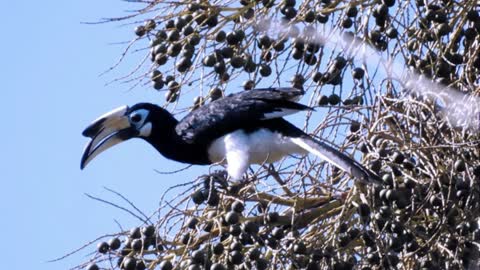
[240, 129]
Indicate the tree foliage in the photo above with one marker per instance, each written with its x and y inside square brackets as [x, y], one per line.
[394, 84]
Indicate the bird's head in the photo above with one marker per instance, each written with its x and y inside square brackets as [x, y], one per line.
[117, 126]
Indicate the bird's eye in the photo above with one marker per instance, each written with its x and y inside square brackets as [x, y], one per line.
[135, 118]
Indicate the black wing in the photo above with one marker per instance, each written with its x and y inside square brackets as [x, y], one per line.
[244, 110]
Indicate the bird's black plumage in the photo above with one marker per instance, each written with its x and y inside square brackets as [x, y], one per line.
[222, 129]
[245, 110]
[169, 142]
[187, 140]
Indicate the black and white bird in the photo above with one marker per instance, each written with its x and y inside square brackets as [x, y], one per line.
[240, 129]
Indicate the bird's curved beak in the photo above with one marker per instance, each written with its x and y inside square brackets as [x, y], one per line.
[106, 131]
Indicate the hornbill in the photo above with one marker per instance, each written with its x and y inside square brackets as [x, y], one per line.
[242, 129]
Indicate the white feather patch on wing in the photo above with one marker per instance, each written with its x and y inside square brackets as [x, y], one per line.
[279, 113]
[329, 154]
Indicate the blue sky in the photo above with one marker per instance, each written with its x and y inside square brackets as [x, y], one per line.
[51, 90]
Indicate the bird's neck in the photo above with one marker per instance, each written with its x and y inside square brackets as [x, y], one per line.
[172, 146]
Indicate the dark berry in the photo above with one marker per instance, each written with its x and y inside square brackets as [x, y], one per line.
[198, 256]
[235, 230]
[238, 206]
[114, 243]
[137, 245]
[212, 198]
[235, 257]
[248, 85]
[232, 217]
[334, 99]
[129, 263]
[352, 11]
[220, 36]
[192, 222]
[174, 49]
[209, 60]
[322, 100]
[92, 266]
[150, 25]
[140, 30]
[472, 15]
[322, 18]
[265, 70]
[273, 217]
[261, 264]
[347, 23]
[173, 35]
[254, 254]
[317, 76]
[389, 3]
[249, 13]
[289, 12]
[166, 265]
[183, 64]
[391, 32]
[185, 238]
[148, 231]
[354, 126]
[219, 67]
[217, 266]
[236, 246]
[160, 59]
[135, 233]
[237, 62]
[264, 42]
[250, 227]
[140, 265]
[339, 62]
[198, 197]
[215, 93]
[278, 233]
[232, 38]
[460, 165]
[299, 248]
[227, 52]
[218, 248]
[289, 3]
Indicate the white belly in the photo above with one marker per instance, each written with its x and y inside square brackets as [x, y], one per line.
[240, 149]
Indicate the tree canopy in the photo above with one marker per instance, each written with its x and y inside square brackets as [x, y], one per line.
[394, 84]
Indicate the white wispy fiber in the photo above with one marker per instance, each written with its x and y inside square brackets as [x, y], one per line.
[460, 109]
